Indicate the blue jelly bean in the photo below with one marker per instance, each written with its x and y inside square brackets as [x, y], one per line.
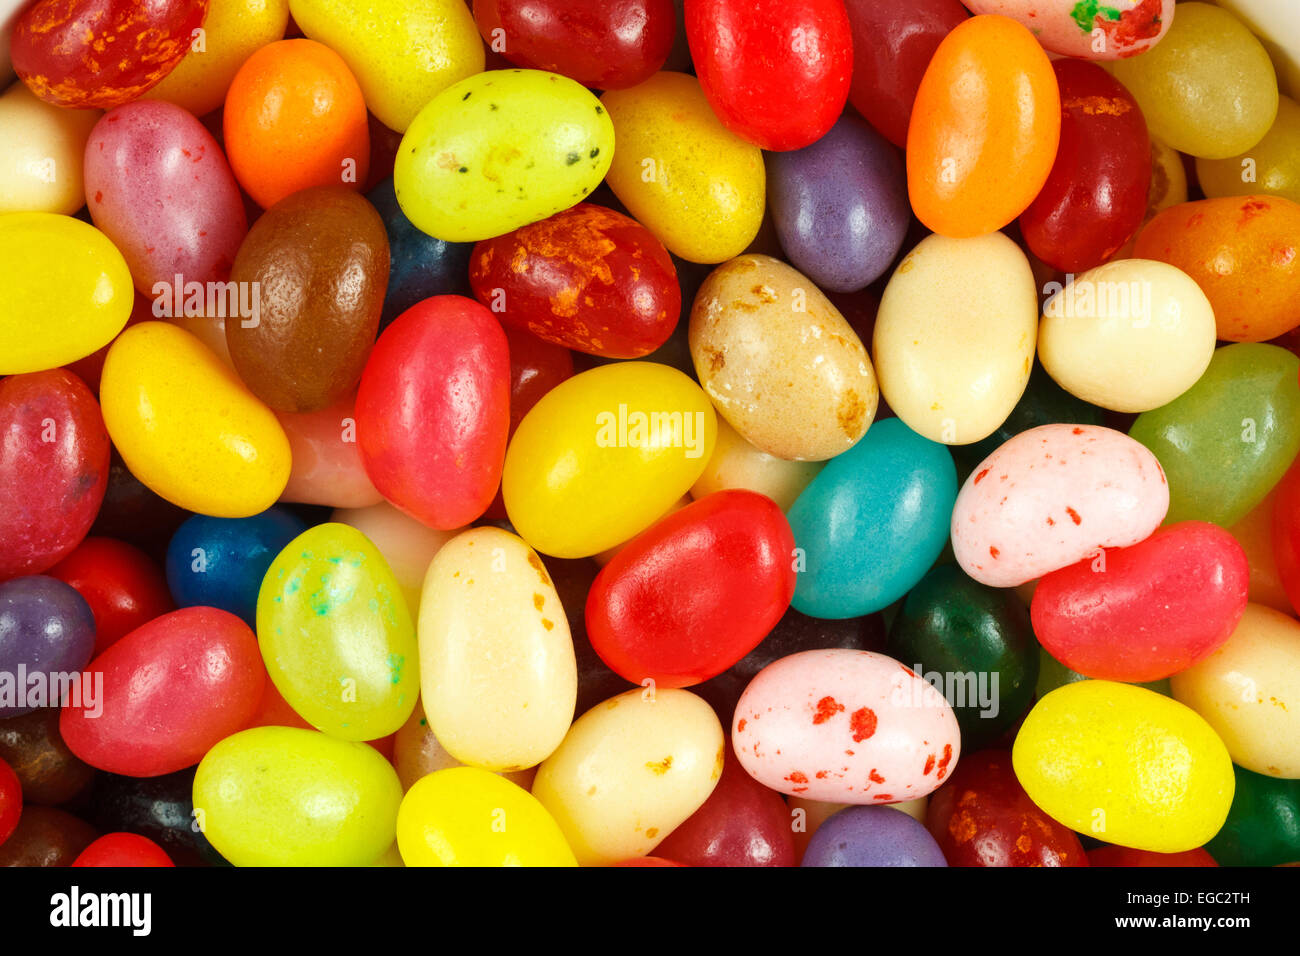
[872, 836]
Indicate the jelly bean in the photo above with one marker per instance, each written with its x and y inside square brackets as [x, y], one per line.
[295, 98]
[1182, 86]
[1270, 167]
[326, 464]
[1248, 690]
[1012, 524]
[274, 711]
[1053, 674]
[1092, 29]
[233, 31]
[683, 175]
[40, 160]
[220, 562]
[156, 712]
[606, 46]
[46, 837]
[1285, 537]
[280, 796]
[587, 278]
[1130, 335]
[1096, 194]
[741, 824]
[420, 265]
[418, 753]
[1124, 856]
[1229, 438]
[187, 427]
[407, 545]
[123, 849]
[60, 48]
[1087, 755]
[978, 640]
[776, 75]
[54, 459]
[984, 128]
[402, 54]
[1168, 179]
[65, 278]
[736, 463]
[954, 337]
[529, 145]
[630, 771]
[892, 45]
[320, 257]
[336, 634]
[1242, 252]
[872, 836]
[11, 800]
[985, 818]
[433, 411]
[465, 816]
[603, 455]
[1263, 825]
[1255, 535]
[497, 672]
[122, 585]
[47, 632]
[646, 861]
[1177, 596]
[49, 772]
[133, 513]
[847, 726]
[871, 524]
[695, 592]
[160, 808]
[840, 206]
[779, 361]
[1279, 30]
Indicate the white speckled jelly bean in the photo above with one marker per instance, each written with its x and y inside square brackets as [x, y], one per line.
[845, 726]
[1051, 496]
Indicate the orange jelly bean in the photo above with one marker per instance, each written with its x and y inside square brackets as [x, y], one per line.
[984, 128]
[295, 118]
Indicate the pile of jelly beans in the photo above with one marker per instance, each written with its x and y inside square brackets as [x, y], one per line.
[567, 432]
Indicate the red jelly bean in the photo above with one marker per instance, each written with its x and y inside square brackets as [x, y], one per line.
[54, 454]
[433, 411]
[983, 817]
[1127, 856]
[11, 800]
[694, 593]
[171, 690]
[1147, 611]
[1096, 194]
[1286, 533]
[588, 278]
[123, 849]
[124, 587]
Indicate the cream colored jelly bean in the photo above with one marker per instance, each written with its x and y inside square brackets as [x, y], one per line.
[407, 545]
[41, 153]
[738, 464]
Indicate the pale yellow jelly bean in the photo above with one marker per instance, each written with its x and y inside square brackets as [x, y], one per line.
[406, 544]
[41, 153]
[1255, 535]
[1271, 166]
[1249, 691]
[696, 185]
[1168, 178]
[67, 291]
[232, 31]
[604, 454]
[417, 753]
[1125, 765]
[497, 671]
[402, 52]
[1130, 335]
[954, 338]
[187, 427]
[779, 361]
[738, 464]
[1277, 25]
[630, 771]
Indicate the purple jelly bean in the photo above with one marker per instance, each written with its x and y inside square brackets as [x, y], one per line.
[47, 631]
[872, 836]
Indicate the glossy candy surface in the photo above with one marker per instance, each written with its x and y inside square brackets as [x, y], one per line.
[40, 159]
[123, 849]
[1091, 29]
[872, 836]
[47, 631]
[123, 586]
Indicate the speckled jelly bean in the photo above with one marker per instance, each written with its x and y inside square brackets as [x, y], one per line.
[1091, 29]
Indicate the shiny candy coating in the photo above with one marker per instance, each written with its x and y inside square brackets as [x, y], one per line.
[46, 630]
[872, 836]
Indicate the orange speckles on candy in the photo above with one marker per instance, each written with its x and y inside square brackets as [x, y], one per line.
[660, 767]
[538, 601]
[943, 763]
[993, 552]
[929, 765]
[863, 723]
[740, 727]
[980, 477]
[1074, 515]
[874, 776]
[827, 708]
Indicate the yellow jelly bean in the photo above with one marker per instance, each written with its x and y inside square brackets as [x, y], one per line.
[738, 464]
[402, 52]
[1125, 765]
[630, 771]
[336, 634]
[696, 185]
[500, 150]
[604, 454]
[233, 31]
[41, 153]
[187, 427]
[1270, 166]
[470, 817]
[497, 671]
[67, 291]
[283, 796]
[1208, 87]
[407, 545]
[1249, 691]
